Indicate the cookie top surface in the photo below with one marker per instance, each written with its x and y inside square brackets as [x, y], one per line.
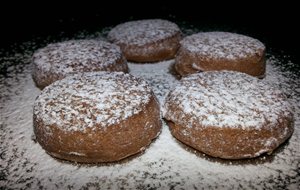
[142, 32]
[76, 55]
[222, 45]
[225, 99]
[89, 100]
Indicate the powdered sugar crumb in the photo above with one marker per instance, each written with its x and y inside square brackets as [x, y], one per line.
[164, 165]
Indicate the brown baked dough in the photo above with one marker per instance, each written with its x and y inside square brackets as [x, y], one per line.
[96, 117]
[147, 40]
[228, 114]
[56, 61]
[209, 51]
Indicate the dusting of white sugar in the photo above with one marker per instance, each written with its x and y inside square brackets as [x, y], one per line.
[226, 99]
[142, 32]
[75, 56]
[222, 45]
[91, 99]
[164, 165]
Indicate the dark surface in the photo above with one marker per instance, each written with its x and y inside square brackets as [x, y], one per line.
[274, 25]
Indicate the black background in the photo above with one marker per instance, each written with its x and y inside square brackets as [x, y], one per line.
[274, 24]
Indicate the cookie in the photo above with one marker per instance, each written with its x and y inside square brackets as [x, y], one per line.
[228, 114]
[56, 61]
[147, 40]
[208, 51]
[96, 117]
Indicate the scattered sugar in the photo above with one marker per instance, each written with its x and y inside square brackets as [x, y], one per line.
[97, 98]
[75, 56]
[226, 99]
[142, 32]
[222, 45]
[157, 75]
[164, 165]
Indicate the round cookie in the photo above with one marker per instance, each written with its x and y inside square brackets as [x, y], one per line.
[228, 114]
[96, 117]
[56, 61]
[147, 40]
[208, 51]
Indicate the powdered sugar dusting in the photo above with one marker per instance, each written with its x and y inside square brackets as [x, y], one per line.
[222, 45]
[82, 101]
[157, 75]
[226, 99]
[164, 165]
[75, 56]
[142, 32]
